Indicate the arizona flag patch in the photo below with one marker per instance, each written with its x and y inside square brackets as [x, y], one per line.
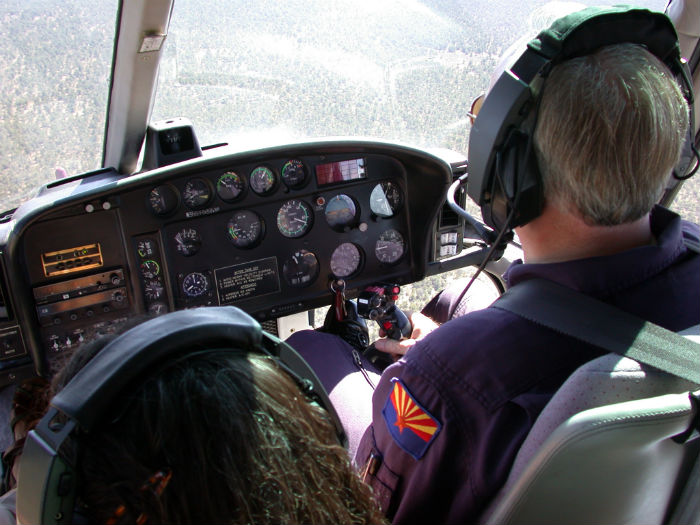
[411, 426]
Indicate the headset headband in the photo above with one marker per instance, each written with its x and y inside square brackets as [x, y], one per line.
[47, 481]
[503, 175]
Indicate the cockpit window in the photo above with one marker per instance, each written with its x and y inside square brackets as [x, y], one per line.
[56, 61]
[273, 71]
[252, 73]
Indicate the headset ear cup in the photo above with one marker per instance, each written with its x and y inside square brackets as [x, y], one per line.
[516, 185]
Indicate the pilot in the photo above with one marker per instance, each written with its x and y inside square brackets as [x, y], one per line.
[211, 435]
[448, 418]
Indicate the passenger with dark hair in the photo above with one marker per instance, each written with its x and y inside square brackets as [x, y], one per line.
[214, 435]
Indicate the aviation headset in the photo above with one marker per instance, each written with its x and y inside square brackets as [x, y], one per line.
[503, 176]
[47, 482]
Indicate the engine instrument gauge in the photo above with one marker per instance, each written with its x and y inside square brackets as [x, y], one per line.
[294, 174]
[346, 260]
[188, 242]
[229, 186]
[153, 289]
[262, 180]
[163, 200]
[150, 269]
[146, 248]
[301, 269]
[245, 229]
[294, 218]
[341, 212]
[197, 193]
[195, 284]
[385, 199]
[390, 246]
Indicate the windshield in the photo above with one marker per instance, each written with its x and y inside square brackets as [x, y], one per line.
[251, 73]
[56, 61]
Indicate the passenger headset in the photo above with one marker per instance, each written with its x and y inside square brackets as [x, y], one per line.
[502, 174]
[47, 482]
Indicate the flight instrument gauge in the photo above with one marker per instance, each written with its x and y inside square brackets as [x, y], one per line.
[163, 200]
[390, 247]
[197, 193]
[346, 260]
[294, 174]
[195, 284]
[294, 218]
[341, 212]
[301, 269]
[262, 180]
[188, 242]
[385, 199]
[245, 229]
[229, 186]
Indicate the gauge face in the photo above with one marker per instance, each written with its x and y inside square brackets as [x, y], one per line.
[245, 229]
[157, 308]
[146, 248]
[390, 247]
[188, 242]
[229, 186]
[294, 174]
[345, 260]
[262, 180]
[340, 212]
[163, 200]
[197, 193]
[150, 269]
[301, 269]
[294, 218]
[195, 284]
[385, 199]
[153, 289]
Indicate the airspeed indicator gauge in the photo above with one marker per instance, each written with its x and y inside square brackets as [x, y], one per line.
[294, 218]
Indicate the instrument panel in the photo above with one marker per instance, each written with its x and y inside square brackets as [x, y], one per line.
[267, 230]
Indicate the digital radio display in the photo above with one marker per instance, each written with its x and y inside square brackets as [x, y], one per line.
[342, 171]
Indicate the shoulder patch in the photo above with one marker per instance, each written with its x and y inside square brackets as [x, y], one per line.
[412, 427]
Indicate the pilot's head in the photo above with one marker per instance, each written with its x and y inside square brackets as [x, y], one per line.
[587, 117]
[212, 434]
[610, 129]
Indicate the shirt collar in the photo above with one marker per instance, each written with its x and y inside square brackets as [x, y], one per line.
[601, 276]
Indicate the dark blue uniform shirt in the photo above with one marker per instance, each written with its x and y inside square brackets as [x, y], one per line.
[449, 417]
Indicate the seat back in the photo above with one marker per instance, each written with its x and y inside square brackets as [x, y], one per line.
[603, 450]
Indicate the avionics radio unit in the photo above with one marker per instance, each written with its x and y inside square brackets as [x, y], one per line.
[74, 311]
[72, 260]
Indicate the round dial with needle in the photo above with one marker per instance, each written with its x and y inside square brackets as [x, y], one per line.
[294, 218]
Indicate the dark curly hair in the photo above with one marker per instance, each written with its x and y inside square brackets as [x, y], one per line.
[242, 442]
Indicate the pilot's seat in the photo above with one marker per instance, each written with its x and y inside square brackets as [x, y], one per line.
[612, 446]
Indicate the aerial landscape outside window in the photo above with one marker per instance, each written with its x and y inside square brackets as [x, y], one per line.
[252, 73]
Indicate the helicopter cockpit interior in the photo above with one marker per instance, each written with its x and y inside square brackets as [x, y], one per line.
[179, 214]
